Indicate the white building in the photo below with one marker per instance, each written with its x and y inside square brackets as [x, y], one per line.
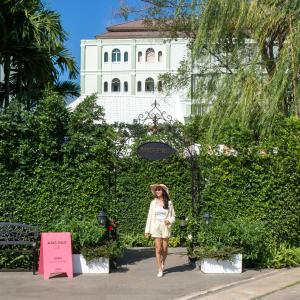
[122, 66]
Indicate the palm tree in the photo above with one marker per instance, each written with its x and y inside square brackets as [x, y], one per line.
[32, 51]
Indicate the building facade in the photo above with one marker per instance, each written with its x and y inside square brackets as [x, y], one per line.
[123, 65]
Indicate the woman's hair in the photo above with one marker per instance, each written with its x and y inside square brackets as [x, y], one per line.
[166, 199]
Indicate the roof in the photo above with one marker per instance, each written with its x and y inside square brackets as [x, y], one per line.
[132, 29]
[129, 26]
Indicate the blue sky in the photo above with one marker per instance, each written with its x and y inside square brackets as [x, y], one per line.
[83, 19]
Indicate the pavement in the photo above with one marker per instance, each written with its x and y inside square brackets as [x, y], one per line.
[135, 279]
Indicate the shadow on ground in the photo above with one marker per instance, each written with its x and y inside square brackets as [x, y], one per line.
[178, 269]
[134, 255]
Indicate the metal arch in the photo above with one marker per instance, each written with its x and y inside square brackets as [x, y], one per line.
[155, 115]
[153, 118]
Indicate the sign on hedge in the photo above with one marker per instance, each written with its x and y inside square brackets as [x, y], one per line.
[155, 150]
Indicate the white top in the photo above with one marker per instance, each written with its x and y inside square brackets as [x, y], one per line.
[150, 225]
[160, 213]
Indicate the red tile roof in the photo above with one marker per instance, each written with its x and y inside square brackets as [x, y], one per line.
[132, 29]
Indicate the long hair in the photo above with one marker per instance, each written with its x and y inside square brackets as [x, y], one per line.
[166, 199]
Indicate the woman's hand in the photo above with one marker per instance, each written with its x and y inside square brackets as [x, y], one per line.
[167, 222]
[146, 235]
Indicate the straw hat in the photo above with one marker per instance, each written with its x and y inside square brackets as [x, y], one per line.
[154, 186]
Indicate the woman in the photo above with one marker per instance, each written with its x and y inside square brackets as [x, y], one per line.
[161, 216]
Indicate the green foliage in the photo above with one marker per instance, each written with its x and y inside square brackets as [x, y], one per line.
[85, 233]
[89, 239]
[249, 237]
[139, 240]
[245, 69]
[111, 250]
[133, 195]
[174, 241]
[217, 252]
[15, 257]
[32, 53]
[58, 166]
[135, 240]
[283, 256]
[50, 166]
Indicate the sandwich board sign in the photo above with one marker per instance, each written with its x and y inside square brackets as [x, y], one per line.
[55, 254]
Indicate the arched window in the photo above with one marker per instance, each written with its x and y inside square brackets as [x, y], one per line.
[105, 56]
[139, 86]
[159, 86]
[159, 56]
[116, 55]
[105, 88]
[149, 85]
[150, 55]
[140, 54]
[125, 56]
[115, 85]
[125, 86]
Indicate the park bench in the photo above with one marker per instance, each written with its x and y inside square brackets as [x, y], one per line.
[20, 236]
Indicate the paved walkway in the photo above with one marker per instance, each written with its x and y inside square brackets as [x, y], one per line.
[136, 279]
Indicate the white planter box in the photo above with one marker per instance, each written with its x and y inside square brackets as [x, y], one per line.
[97, 266]
[211, 265]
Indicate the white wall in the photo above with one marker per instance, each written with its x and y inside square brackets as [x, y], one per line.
[91, 58]
[177, 52]
[94, 72]
[93, 62]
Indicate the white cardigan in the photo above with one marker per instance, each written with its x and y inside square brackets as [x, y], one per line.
[151, 216]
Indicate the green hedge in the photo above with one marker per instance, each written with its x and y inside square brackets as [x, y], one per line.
[55, 164]
[133, 196]
[261, 182]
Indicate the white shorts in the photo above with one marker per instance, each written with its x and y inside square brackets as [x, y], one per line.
[161, 230]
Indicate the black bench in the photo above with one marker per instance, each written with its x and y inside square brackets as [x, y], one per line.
[17, 234]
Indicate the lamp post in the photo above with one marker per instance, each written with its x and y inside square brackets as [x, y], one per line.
[102, 218]
[182, 224]
[207, 218]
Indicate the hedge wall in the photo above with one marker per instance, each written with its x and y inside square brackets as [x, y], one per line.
[56, 164]
[133, 195]
[261, 182]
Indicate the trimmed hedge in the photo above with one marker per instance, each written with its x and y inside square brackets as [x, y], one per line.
[261, 182]
[58, 164]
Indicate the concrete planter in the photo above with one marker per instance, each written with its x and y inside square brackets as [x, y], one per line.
[96, 266]
[211, 265]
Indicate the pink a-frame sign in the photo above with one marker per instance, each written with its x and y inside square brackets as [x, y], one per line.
[55, 254]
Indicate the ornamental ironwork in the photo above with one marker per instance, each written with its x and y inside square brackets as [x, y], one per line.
[18, 234]
[154, 116]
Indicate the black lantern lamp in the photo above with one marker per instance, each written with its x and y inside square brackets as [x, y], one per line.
[207, 218]
[182, 224]
[102, 218]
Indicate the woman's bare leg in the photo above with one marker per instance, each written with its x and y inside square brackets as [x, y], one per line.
[164, 250]
[158, 252]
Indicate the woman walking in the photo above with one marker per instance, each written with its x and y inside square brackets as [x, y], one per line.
[161, 216]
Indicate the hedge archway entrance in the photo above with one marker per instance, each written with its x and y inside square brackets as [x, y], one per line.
[153, 149]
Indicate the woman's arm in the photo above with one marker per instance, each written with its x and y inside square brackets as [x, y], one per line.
[147, 229]
[171, 217]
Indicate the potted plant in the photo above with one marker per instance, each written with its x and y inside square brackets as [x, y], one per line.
[217, 259]
[95, 248]
[222, 246]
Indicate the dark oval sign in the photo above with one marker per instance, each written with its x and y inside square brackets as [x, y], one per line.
[155, 150]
